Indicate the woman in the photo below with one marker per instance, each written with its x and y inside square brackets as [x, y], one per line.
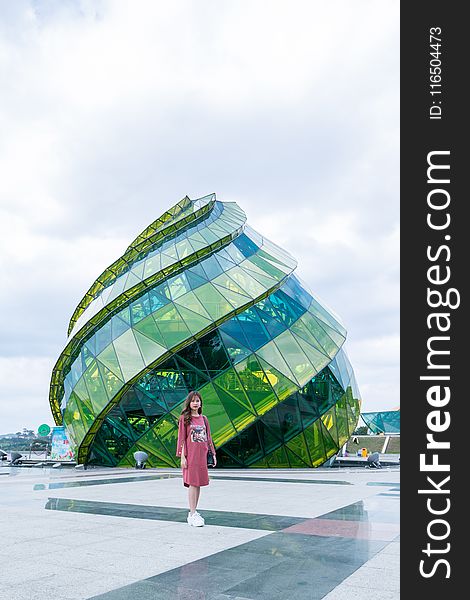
[194, 442]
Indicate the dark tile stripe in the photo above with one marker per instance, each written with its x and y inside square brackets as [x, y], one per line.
[179, 515]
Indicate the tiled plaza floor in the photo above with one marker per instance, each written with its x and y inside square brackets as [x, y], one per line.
[269, 535]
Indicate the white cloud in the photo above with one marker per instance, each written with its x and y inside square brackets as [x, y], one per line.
[110, 114]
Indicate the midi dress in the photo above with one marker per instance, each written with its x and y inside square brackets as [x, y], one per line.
[197, 440]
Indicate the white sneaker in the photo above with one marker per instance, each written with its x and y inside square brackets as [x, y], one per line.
[200, 517]
[190, 519]
[197, 520]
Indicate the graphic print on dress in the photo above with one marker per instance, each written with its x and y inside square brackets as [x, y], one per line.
[198, 433]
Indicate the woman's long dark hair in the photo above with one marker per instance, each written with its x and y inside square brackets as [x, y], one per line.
[187, 406]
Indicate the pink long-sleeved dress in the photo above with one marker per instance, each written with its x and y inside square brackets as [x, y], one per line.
[196, 438]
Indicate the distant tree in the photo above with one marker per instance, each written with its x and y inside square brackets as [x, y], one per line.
[360, 430]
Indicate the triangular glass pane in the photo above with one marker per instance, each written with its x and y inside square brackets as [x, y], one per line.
[235, 349]
[316, 447]
[220, 424]
[331, 447]
[283, 386]
[299, 364]
[172, 326]
[112, 383]
[132, 280]
[271, 355]
[278, 459]
[318, 359]
[191, 302]
[236, 300]
[150, 350]
[213, 301]
[194, 322]
[240, 416]
[295, 461]
[194, 280]
[149, 328]
[299, 447]
[257, 385]
[329, 421]
[129, 356]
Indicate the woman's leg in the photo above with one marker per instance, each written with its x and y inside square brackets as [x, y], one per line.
[198, 492]
[193, 495]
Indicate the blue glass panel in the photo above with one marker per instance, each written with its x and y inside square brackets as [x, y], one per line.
[118, 326]
[294, 289]
[157, 299]
[211, 267]
[233, 329]
[246, 246]
[253, 328]
[194, 280]
[103, 337]
[273, 325]
[235, 349]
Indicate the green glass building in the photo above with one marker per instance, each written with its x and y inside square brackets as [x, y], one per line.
[201, 301]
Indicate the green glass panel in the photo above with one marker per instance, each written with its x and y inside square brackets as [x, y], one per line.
[307, 327]
[149, 328]
[246, 281]
[109, 359]
[260, 464]
[256, 385]
[166, 424]
[153, 445]
[193, 321]
[266, 266]
[317, 357]
[97, 392]
[299, 364]
[236, 300]
[283, 387]
[329, 421]
[238, 414]
[192, 303]
[213, 301]
[112, 384]
[231, 384]
[342, 421]
[171, 325]
[269, 439]
[150, 350]
[128, 354]
[332, 327]
[220, 424]
[298, 446]
[295, 460]
[81, 389]
[316, 447]
[74, 419]
[127, 461]
[331, 447]
[271, 355]
[226, 282]
[259, 275]
[278, 459]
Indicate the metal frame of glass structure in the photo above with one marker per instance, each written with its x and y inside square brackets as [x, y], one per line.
[200, 301]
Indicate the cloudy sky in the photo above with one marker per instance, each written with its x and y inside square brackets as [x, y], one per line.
[112, 110]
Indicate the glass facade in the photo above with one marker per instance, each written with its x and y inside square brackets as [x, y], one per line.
[387, 421]
[200, 301]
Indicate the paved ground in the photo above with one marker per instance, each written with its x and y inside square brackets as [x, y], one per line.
[269, 535]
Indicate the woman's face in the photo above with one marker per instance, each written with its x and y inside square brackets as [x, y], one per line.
[195, 403]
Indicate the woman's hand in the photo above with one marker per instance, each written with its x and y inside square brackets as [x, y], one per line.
[215, 460]
[184, 462]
